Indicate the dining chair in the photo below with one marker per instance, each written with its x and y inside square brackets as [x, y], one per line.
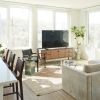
[10, 62]
[10, 65]
[35, 56]
[14, 92]
[18, 74]
[5, 55]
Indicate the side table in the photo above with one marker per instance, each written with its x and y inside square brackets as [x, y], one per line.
[29, 67]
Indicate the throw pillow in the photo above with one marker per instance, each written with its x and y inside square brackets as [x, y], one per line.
[91, 68]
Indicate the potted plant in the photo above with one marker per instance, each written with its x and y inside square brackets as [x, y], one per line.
[1, 51]
[79, 33]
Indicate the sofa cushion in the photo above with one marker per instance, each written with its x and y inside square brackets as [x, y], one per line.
[91, 68]
[94, 62]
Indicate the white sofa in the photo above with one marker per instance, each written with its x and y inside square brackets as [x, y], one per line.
[81, 85]
[94, 62]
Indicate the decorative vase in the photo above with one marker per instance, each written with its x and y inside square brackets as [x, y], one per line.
[78, 54]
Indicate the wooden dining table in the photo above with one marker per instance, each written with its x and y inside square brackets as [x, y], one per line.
[6, 77]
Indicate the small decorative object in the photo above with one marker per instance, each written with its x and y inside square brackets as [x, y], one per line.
[79, 36]
[29, 67]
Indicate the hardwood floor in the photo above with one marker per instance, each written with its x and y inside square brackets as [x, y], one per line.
[29, 95]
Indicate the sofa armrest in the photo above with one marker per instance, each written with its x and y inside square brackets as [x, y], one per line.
[81, 85]
[95, 85]
[76, 83]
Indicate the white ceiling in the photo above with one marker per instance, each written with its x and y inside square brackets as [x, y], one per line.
[75, 4]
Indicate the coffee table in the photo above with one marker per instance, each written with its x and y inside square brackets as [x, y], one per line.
[74, 62]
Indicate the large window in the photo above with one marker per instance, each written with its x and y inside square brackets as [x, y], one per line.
[94, 29]
[61, 22]
[19, 27]
[50, 20]
[45, 22]
[3, 25]
[14, 27]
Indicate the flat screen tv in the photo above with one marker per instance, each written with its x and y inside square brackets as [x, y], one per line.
[55, 38]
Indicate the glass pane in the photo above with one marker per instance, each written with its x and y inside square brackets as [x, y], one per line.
[94, 29]
[61, 22]
[3, 26]
[19, 27]
[45, 22]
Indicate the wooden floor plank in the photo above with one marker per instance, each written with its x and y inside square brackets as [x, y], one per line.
[29, 95]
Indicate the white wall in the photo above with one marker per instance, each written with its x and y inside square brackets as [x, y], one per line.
[83, 22]
[34, 27]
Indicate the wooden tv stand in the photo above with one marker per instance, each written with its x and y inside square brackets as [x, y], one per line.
[56, 53]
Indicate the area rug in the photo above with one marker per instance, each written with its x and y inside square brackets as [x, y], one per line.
[46, 81]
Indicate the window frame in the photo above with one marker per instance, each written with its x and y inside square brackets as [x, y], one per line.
[55, 10]
[87, 39]
[18, 5]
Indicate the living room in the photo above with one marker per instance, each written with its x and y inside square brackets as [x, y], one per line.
[35, 16]
[76, 16]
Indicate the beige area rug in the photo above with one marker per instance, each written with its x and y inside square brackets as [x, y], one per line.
[46, 81]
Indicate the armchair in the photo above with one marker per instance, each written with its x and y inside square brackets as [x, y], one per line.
[35, 56]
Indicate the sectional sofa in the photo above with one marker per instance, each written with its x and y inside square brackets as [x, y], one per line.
[82, 82]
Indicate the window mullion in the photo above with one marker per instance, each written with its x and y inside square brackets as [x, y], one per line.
[8, 27]
[54, 23]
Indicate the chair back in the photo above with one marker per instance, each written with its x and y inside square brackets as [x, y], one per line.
[5, 56]
[26, 53]
[11, 61]
[19, 68]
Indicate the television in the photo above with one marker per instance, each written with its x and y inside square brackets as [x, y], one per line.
[55, 38]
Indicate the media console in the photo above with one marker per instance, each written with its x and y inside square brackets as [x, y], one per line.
[56, 53]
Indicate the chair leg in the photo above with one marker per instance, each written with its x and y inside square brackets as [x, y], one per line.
[37, 66]
[13, 87]
[21, 90]
[45, 60]
[45, 63]
[17, 91]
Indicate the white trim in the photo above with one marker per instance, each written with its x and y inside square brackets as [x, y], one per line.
[92, 9]
[8, 3]
[87, 31]
[53, 7]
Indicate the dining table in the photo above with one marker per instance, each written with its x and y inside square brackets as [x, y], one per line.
[6, 77]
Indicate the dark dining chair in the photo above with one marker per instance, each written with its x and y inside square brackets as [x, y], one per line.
[18, 74]
[10, 62]
[35, 56]
[10, 65]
